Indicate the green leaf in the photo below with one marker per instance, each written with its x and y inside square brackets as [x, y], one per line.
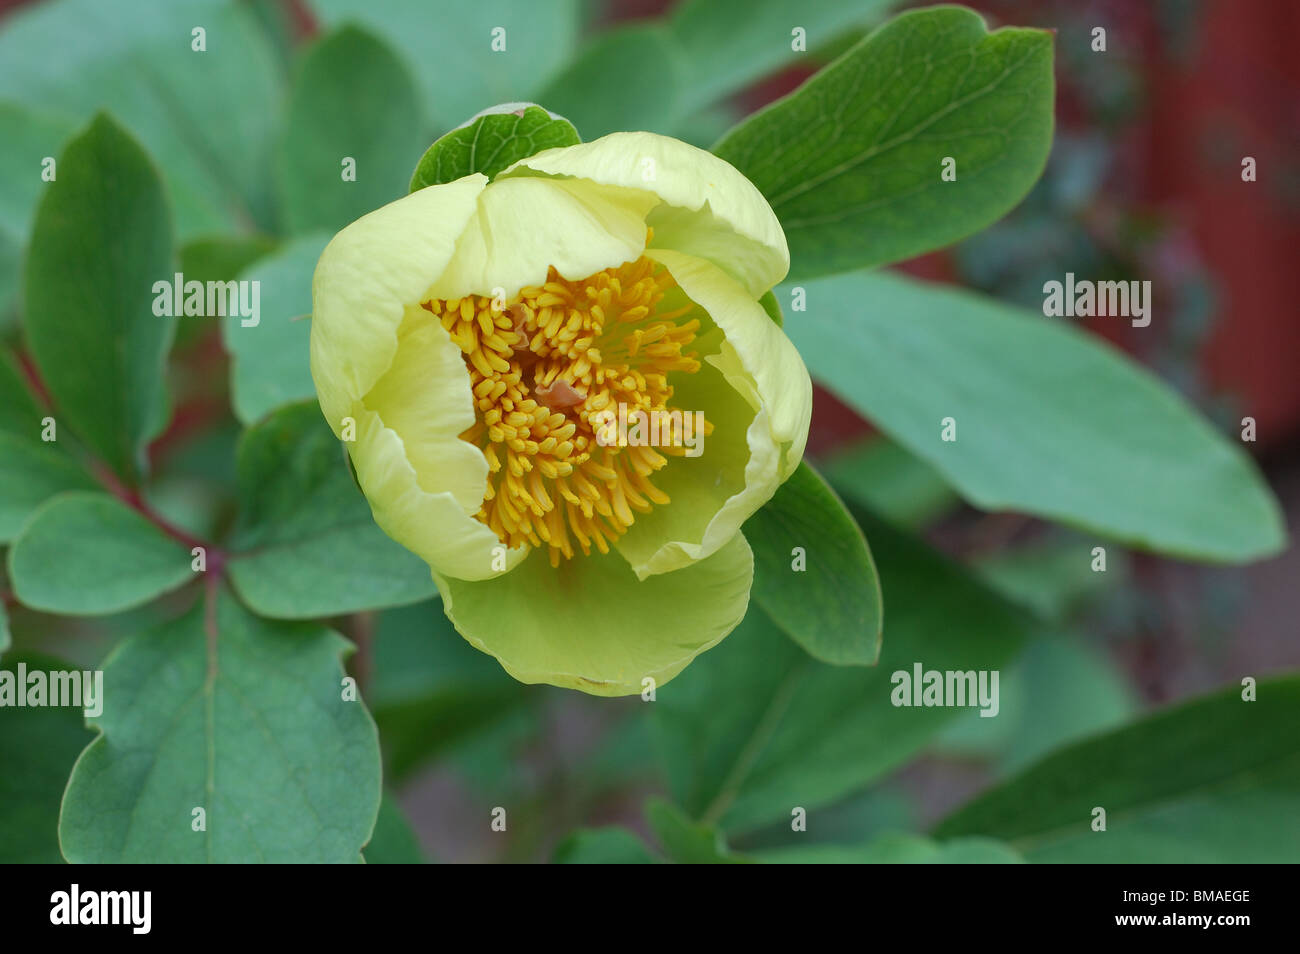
[687, 842]
[754, 727]
[38, 746]
[353, 100]
[306, 545]
[30, 473]
[1059, 690]
[603, 846]
[831, 605]
[221, 258]
[851, 161]
[216, 259]
[1052, 577]
[90, 554]
[203, 116]
[897, 848]
[430, 690]
[241, 717]
[594, 92]
[102, 237]
[6, 638]
[1070, 691]
[1216, 779]
[731, 43]
[450, 51]
[879, 474]
[492, 141]
[857, 819]
[773, 308]
[30, 136]
[19, 414]
[270, 362]
[1049, 421]
[393, 841]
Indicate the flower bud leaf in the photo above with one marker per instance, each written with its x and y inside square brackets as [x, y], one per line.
[490, 142]
[772, 307]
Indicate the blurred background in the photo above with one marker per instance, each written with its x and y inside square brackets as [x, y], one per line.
[1143, 183]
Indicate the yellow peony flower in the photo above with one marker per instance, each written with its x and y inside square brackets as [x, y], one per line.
[561, 391]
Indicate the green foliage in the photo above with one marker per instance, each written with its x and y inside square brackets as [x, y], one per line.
[269, 360]
[431, 691]
[1204, 781]
[685, 841]
[728, 44]
[30, 136]
[884, 477]
[30, 473]
[86, 553]
[306, 545]
[1052, 578]
[37, 748]
[223, 257]
[490, 143]
[231, 157]
[899, 848]
[353, 123]
[1059, 690]
[68, 59]
[250, 725]
[851, 162]
[102, 237]
[597, 106]
[603, 846]
[451, 53]
[828, 599]
[756, 726]
[18, 411]
[773, 308]
[393, 842]
[1045, 417]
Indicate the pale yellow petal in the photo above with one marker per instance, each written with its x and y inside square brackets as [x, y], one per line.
[590, 624]
[366, 277]
[523, 226]
[756, 392]
[710, 210]
[434, 526]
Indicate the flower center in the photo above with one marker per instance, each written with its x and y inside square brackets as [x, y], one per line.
[551, 370]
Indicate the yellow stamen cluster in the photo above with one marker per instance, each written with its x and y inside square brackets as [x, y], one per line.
[544, 369]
